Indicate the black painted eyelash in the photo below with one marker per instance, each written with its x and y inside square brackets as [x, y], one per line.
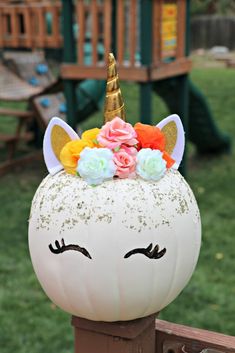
[149, 252]
[62, 248]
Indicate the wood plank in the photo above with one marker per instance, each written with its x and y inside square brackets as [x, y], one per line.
[80, 11]
[49, 39]
[61, 38]
[22, 13]
[20, 36]
[53, 40]
[181, 27]
[28, 27]
[194, 340]
[125, 329]
[176, 68]
[41, 27]
[55, 26]
[34, 27]
[6, 138]
[14, 30]
[16, 113]
[120, 31]
[94, 30]
[43, 115]
[157, 25]
[133, 30]
[6, 34]
[13, 88]
[76, 72]
[1, 27]
[21, 161]
[51, 43]
[101, 14]
[107, 26]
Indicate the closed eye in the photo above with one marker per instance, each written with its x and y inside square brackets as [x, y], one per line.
[150, 252]
[60, 248]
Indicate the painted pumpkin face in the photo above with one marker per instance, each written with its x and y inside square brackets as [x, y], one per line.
[120, 251]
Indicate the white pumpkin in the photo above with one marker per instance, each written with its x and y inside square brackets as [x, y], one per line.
[118, 251]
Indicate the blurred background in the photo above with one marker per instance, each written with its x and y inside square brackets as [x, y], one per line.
[173, 57]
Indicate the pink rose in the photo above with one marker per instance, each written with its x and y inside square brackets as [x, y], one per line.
[116, 133]
[125, 161]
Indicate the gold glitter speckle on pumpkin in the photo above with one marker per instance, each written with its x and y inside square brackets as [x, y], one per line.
[73, 203]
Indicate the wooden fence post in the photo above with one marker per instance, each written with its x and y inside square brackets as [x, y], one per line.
[136, 336]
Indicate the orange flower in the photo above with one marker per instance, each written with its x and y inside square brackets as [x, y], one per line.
[150, 137]
[169, 161]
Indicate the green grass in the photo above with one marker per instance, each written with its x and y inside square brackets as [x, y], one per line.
[29, 322]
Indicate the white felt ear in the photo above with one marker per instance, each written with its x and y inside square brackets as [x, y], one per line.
[57, 134]
[173, 130]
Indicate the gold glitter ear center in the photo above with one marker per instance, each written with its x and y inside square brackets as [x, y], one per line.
[170, 131]
[59, 138]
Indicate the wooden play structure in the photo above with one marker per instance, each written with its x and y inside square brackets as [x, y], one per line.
[123, 34]
[150, 41]
[118, 26]
[124, 31]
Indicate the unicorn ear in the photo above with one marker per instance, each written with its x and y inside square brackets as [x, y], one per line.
[57, 134]
[173, 130]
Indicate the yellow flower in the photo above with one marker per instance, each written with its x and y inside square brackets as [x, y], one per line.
[70, 154]
[91, 137]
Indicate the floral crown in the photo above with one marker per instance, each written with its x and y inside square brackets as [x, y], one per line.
[118, 149]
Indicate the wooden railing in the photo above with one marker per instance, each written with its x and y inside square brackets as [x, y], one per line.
[168, 19]
[26, 25]
[174, 338]
[95, 17]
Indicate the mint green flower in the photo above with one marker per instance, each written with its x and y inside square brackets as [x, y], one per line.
[150, 164]
[96, 165]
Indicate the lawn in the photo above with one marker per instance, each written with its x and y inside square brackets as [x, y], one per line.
[29, 322]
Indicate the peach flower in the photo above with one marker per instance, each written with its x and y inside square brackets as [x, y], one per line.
[116, 133]
[125, 161]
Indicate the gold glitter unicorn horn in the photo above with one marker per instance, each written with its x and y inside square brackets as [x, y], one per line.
[114, 105]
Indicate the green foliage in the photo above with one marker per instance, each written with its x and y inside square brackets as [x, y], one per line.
[31, 323]
[203, 7]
